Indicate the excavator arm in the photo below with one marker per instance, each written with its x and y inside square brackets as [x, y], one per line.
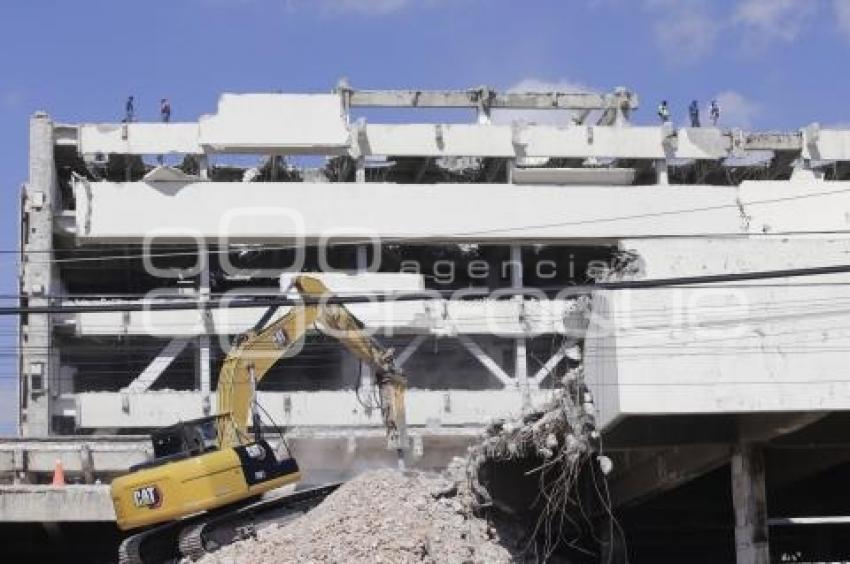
[251, 359]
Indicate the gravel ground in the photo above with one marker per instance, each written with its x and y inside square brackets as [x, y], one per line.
[381, 516]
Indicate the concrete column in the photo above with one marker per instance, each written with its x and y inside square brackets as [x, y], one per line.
[750, 504]
[366, 376]
[204, 167]
[662, 171]
[521, 362]
[275, 168]
[360, 170]
[203, 376]
[37, 368]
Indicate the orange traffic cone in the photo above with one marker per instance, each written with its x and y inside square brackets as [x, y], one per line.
[58, 474]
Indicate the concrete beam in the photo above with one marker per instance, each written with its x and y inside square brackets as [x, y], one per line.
[115, 454]
[550, 364]
[263, 212]
[320, 410]
[157, 366]
[505, 318]
[573, 176]
[661, 472]
[410, 349]
[487, 362]
[472, 99]
[70, 503]
[105, 454]
[139, 139]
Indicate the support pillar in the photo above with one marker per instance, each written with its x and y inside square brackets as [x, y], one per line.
[39, 203]
[360, 170]
[662, 172]
[204, 167]
[274, 173]
[521, 358]
[366, 376]
[203, 374]
[750, 504]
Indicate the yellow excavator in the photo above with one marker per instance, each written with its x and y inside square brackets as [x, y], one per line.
[215, 468]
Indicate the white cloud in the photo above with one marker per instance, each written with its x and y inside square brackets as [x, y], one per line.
[367, 7]
[685, 30]
[361, 7]
[538, 85]
[335, 7]
[736, 110]
[548, 117]
[842, 16]
[766, 21]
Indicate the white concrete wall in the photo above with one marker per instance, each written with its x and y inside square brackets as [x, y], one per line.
[258, 212]
[43, 504]
[775, 345]
[271, 123]
[813, 205]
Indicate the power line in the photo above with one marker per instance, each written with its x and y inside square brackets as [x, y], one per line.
[465, 294]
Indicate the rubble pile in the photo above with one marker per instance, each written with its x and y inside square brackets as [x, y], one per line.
[381, 516]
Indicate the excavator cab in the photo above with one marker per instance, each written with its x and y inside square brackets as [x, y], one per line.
[187, 437]
[190, 472]
[183, 440]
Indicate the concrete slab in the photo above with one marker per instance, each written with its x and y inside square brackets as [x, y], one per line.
[139, 138]
[301, 212]
[271, 123]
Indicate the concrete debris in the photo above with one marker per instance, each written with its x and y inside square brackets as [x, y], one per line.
[533, 469]
[381, 516]
[562, 421]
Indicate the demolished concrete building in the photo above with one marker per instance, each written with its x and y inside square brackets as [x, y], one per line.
[689, 380]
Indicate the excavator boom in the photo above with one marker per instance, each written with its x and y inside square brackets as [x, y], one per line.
[249, 362]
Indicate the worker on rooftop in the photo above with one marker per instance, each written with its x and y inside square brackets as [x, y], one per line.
[165, 110]
[693, 110]
[129, 110]
[664, 111]
[714, 113]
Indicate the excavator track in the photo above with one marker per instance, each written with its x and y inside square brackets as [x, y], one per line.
[217, 531]
[158, 544]
[191, 543]
[198, 535]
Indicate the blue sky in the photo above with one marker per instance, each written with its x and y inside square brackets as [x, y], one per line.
[774, 64]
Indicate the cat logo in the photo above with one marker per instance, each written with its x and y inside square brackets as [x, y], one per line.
[148, 496]
[279, 338]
